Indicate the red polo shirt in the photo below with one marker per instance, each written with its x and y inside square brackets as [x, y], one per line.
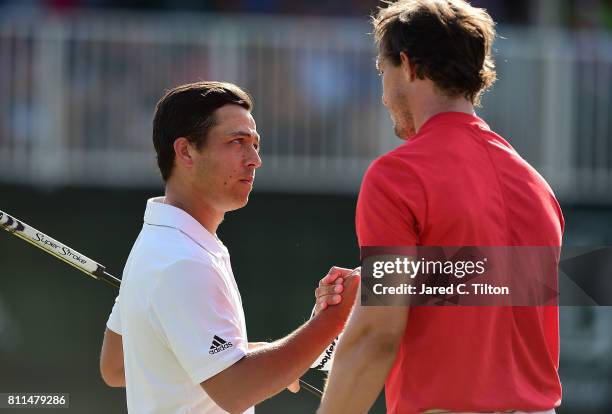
[457, 183]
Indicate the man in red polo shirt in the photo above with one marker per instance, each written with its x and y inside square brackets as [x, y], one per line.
[453, 182]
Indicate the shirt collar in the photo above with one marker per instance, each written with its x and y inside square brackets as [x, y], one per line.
[158, 213]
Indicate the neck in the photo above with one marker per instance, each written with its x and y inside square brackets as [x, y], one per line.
[435, 104]
[194, 205]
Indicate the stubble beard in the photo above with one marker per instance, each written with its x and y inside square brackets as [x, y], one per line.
[403, 121]
[404, 126]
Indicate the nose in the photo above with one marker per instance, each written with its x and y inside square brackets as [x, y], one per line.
[253, 159]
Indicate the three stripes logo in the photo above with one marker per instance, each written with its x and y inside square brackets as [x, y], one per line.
[219, 344]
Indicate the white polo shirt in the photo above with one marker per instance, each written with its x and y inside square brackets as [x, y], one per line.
[179, 313]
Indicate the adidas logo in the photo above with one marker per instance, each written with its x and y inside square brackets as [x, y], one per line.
[218, 345]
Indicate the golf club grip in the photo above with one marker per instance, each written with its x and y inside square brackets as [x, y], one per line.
[79, 261]
[55, 248]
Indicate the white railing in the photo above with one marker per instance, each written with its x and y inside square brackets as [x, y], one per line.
[77, 94]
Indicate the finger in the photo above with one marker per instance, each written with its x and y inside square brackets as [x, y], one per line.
[331, 299]
[325, 301]
[351, 285]
[334, 273]
[326, 290]
[294, 387]
[320, 305]
[321, 301]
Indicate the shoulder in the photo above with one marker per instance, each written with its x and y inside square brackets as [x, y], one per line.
[394, 170]
[382, 168]
[391, 183]
[168, 247]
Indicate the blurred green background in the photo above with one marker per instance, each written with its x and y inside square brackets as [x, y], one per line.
[52, 317]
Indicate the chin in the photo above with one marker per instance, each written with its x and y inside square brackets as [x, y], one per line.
[404, 132]
[238, 203]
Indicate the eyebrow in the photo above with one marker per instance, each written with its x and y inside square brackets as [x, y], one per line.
[244, 134]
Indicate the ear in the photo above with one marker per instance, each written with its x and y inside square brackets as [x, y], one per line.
[407, 67]
[182, 152]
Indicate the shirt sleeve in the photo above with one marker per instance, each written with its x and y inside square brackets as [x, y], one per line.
[391, 205]
[114, 320]
[195, 314]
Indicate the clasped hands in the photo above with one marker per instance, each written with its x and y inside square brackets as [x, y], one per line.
[332, 290]
[331, 287]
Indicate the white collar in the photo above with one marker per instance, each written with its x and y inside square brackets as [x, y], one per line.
[158, 213]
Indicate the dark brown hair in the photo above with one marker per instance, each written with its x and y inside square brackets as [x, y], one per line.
[447, 41]
[188, 111]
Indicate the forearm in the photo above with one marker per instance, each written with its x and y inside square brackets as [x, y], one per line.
[112, 367]
[270, 368]
[364, 357]
[360, 368]
[115, 379]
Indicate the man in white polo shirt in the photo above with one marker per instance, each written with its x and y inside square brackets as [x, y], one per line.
[176, 337]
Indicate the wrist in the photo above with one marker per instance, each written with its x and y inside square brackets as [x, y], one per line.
[333, 318]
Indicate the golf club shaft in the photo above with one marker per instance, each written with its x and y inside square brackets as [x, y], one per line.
[310, 388]
[57, 249]
[79, 261]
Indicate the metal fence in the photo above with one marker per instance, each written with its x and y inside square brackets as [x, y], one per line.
[77, 94]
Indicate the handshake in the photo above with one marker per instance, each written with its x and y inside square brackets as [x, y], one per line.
[339, 284]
